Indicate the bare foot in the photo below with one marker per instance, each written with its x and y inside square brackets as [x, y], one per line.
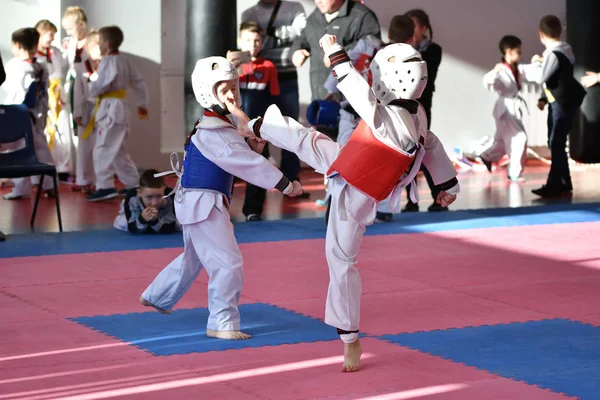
[229, 335]
[146, 303]
[352, 352]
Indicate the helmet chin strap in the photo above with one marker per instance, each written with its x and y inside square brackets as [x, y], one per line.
[220, 110]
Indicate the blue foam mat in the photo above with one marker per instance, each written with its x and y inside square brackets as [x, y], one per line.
[184, 331]
[38, 244]
[558, 354]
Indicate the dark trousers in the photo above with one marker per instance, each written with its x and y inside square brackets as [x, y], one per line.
[559, 126]
[289, 104]
[435, 190]
[255, 195]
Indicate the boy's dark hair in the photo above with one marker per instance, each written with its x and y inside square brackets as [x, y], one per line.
[509, 42]
[402, 28]
[45, 26]
[251, 26]
[422, 17]
[550, 26]
[113, 35]
[27, 38]
[147, 180]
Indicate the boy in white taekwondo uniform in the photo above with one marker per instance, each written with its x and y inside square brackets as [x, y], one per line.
[21, 72]
[382, 156]
[506, 80]
[50, 56]
[214, 153]
[110, 119]
[74, 23]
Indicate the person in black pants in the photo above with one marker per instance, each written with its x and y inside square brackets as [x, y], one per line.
[432, 54]
[2, 72]
[565, 94]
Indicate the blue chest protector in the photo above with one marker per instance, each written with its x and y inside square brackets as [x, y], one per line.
[201, 173]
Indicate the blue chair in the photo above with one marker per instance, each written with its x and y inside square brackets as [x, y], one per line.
[15, 124]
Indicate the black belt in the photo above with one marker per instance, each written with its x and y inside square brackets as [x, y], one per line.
[351, 110]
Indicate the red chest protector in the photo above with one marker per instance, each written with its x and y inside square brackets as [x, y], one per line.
[369, 165]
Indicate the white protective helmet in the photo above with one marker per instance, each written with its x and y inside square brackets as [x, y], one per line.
[399, 72]
[207, 73]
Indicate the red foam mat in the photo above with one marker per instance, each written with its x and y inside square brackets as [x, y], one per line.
[294, 372]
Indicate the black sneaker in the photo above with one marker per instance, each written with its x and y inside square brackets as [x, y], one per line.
[550, 191]
[436, 207]
[410, 207]
[253, 218]
[488, 164]
[383, 217]
[102, 194]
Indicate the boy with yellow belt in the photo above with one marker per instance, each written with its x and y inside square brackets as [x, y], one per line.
[51, 57]
[110, 119]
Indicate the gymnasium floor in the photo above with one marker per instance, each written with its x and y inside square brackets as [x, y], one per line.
[488, 301]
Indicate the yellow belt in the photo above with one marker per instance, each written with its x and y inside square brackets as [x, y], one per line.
[54, 110]
[115, 94]
[549, 96]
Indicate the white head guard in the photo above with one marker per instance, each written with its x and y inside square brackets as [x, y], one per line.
[399, 72]
[207, 73]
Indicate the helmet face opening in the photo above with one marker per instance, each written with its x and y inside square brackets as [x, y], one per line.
[399, 72]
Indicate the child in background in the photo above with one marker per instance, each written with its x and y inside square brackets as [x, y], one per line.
[111, 116]
[21, 72]
[59, 139]
[74, 22]
[147, 209]
[506, 80]
[565, 94]
[259, 88]
[82, 114]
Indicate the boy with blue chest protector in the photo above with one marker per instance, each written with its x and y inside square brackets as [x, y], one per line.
[215, 152]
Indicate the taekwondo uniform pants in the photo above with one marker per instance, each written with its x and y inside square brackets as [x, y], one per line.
[84, 165]
[208, 244]
[351, 212]
[110, 148]
[511, 139]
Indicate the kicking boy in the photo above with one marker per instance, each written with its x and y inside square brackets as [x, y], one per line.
[382, 156]
[214, 153]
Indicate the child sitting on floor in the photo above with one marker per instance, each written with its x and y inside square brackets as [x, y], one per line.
[146, 209]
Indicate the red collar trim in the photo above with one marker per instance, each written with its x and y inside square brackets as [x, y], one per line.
[515, 71]
[208, 113]
[47, 55]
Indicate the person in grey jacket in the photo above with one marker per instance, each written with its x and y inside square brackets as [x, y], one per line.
[348, 20]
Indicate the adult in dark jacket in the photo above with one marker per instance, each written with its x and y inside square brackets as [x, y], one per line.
[349, 20]
[432, 55]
